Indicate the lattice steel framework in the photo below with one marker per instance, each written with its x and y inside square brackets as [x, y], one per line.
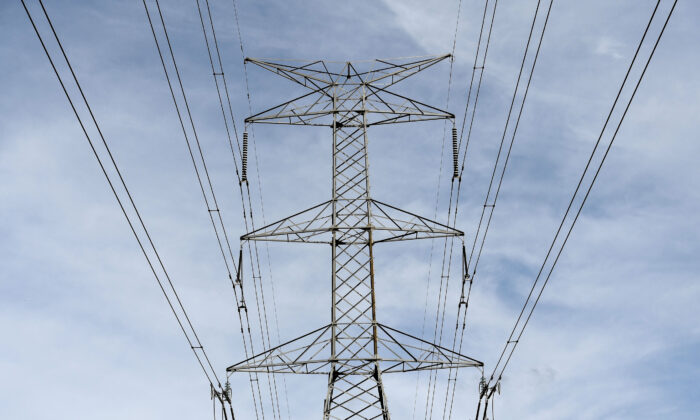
[354, 350]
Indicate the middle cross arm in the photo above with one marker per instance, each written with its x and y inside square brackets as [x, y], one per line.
[388, 224]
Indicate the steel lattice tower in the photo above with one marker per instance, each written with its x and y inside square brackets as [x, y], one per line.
[354, 350]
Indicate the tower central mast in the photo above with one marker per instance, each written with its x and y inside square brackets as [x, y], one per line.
[354, 318]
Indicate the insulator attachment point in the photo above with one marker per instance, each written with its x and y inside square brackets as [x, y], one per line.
[244, 158]
[455, 154]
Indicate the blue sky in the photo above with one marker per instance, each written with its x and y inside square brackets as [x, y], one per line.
[86, 332]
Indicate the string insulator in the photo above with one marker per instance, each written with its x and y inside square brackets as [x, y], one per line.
[244, 156]
[455, 154]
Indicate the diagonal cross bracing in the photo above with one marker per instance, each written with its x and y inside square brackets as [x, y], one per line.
[353, 324]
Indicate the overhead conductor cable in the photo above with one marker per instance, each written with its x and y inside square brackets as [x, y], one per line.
[514, 338]
[174, 303]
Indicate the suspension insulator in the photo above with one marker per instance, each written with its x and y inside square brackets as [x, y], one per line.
[455, 154]
[244, 155]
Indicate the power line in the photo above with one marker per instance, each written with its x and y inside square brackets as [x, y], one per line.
[432, 382]
[447, 260]
[222, 74]
[470, 277]
[464, 301]
[491, 206]
[191, 336]
[252, 220]
[488, 390]
[254, 256]
[242, 307]
[481, 70]
[209, 208]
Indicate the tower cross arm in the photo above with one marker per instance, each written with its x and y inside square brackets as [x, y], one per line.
[379, 105]
[396, 72]
[395, 108]
[346, 96]
[297, 111]
[315, 74]
[312, 75]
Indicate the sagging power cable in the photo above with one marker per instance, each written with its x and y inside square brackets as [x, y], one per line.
[463, 304]
[174, 301]
[432, 380]
[515, 338]
[239, 295]
[253, 250]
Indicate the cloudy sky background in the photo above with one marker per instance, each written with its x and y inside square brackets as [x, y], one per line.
[86, 332]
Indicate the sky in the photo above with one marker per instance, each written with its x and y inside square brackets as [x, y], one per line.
[87, 333]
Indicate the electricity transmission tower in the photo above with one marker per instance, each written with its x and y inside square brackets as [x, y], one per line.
[354, 350]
